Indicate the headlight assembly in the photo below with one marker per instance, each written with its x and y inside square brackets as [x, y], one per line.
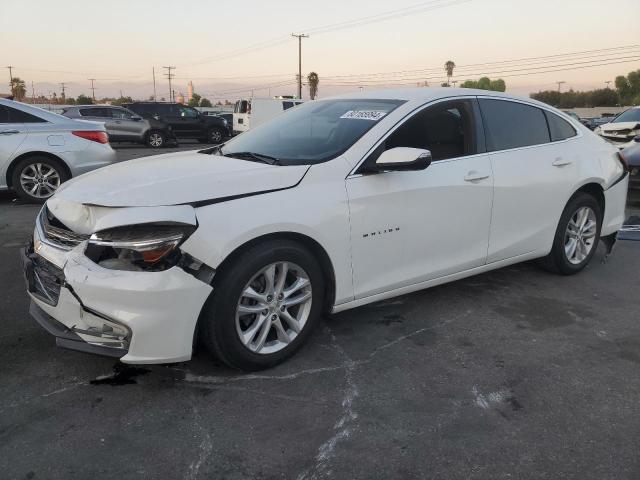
[138, 248]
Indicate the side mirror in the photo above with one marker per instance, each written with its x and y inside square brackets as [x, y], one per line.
[404, 158]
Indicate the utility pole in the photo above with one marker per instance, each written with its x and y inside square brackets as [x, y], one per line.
[300, 37]
[560, 85]
[93, 89]
[10, 79]
[169, 76]
[153, 70]
[33, 93]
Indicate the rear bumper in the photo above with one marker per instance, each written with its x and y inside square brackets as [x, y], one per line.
[615, 200]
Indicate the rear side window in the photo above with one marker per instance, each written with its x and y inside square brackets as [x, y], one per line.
[287, 105]
[560, 129]
[18, 116]
[513, 125]
[96, 112]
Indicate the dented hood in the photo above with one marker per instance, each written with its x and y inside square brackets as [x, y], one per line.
[615, 127]
[176, 179]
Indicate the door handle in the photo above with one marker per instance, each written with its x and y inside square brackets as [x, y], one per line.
[9, 132]
[474, 176]
[560, 162]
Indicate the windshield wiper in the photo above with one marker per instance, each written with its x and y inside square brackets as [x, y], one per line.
[252, 156]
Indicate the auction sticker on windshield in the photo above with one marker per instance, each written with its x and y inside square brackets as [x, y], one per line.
[374, 115]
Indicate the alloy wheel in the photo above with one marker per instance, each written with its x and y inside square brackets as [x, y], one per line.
[155, 140]
[215, 136]
[273, 308]
[39, 180]
[580, 235]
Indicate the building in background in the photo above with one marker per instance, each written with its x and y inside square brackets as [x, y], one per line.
[189, 91]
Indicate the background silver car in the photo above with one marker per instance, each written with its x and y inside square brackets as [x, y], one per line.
[122, 124]
[39, 150]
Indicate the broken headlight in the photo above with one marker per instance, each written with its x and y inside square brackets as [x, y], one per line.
[138, 248]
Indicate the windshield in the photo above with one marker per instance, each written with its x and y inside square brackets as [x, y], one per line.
[313, 132]
[631, 115]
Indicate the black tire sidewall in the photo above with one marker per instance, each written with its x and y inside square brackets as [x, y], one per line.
[558, 255]
[22, 164]
[218, 319]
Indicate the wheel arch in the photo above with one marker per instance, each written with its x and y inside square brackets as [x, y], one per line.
[311, 244]
[36, 153]
[594, 189]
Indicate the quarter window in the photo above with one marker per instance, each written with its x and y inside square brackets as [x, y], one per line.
[4, 115]
[513, 125]
[560, 129]
[446, 129]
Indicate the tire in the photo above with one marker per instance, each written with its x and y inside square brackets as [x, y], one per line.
[564, 259]
[156, 139]
[224, 317]
[36, 178]
[215, 135]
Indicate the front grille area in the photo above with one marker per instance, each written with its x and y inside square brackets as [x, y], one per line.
[56, 233]
[46, 281]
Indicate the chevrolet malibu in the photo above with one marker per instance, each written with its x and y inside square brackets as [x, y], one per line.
[332, 205]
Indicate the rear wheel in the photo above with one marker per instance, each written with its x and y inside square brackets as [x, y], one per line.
[37, 178]
[264, 306]
[577, 236]
[155, 139]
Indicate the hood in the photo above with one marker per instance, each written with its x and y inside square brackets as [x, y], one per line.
[175, 179]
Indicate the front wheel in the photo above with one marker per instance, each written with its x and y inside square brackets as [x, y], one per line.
[576, 237]
[215, 135]
[264, 306]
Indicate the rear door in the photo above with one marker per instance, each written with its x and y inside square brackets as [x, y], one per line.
[533, 177]
[103, 115]
[12, 134]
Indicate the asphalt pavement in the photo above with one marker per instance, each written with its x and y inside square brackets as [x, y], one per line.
[513, 374]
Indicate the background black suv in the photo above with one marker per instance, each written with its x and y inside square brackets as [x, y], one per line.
[185, 122]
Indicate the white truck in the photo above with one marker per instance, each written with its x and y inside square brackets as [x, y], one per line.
[249, 113]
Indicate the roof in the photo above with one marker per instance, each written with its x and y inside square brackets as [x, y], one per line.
[425, 94]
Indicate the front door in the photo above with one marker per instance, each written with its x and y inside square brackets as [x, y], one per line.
[12, 134]
[412, 226]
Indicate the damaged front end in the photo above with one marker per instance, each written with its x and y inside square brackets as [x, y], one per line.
[114, 281]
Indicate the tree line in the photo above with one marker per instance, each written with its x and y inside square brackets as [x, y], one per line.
[626, 93]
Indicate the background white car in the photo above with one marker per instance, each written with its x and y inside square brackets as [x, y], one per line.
[333, 204]
[623, 129]
[39, 150]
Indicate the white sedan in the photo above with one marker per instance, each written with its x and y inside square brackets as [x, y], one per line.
[332, 205]
[39, 150]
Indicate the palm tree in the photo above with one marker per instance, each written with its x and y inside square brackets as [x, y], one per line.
[18, 88]
[448, 67]
[313, 80]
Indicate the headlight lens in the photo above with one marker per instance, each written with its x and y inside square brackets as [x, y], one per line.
[139, 247]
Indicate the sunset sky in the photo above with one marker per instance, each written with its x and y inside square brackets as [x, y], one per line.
[215, 44]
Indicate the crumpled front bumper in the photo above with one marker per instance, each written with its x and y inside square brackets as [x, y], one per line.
[140, 317]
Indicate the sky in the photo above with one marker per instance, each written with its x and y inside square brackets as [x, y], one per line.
[227, 49]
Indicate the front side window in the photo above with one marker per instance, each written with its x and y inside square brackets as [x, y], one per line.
[18, 116]
[187, 112]
[446, 129]
[314, 132]
[513, 125]
[560, 129]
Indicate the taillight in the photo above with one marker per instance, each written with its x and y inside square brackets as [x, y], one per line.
[624, 161]
[94, 136]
